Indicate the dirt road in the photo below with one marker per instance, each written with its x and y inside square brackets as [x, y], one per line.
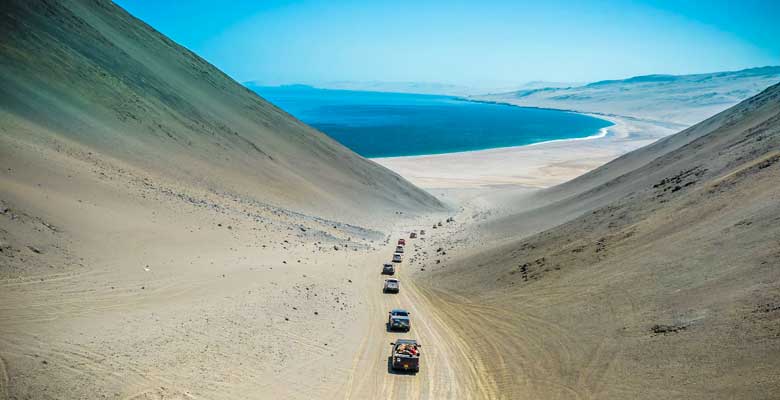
[447, 369]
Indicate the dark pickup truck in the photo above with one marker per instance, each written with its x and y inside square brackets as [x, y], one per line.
[405, 355]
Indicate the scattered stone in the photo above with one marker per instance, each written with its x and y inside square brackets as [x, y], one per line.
[664, 329]
[766, 308]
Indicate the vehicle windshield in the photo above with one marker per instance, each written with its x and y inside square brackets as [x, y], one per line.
[400, 313]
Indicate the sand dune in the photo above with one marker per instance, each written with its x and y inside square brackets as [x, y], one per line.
[654, 275]
[90, 76]
[164, 232]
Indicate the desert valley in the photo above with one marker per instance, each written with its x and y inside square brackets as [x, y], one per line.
[166, 233]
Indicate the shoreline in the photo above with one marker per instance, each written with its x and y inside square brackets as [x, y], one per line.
[537, 165]
[602, 132]
[618, 121]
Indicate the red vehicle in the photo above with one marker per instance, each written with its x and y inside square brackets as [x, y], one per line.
[401, 242]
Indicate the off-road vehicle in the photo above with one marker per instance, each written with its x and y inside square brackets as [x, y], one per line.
[391, 286]
[405, 355]
[388, 269]
[398, 320]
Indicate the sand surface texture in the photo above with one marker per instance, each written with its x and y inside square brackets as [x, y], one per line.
[134, 265]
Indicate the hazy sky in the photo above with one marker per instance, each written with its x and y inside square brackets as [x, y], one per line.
[478, 43]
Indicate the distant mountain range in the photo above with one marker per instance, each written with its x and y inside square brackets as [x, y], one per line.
[682, 99]
[417, 87]
[678, 99]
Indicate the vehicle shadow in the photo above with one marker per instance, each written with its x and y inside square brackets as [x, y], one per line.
[389, 329]
[392, 371]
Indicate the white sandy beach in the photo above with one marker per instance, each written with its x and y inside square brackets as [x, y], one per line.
[538, 165]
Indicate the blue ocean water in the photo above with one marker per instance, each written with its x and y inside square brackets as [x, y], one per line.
[375, 124]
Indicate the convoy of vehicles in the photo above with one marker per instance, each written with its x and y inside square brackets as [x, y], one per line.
[405, 355]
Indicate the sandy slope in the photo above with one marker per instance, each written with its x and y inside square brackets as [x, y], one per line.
[653, 276]
[143, 251]
[117, 282]
[89, 74]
